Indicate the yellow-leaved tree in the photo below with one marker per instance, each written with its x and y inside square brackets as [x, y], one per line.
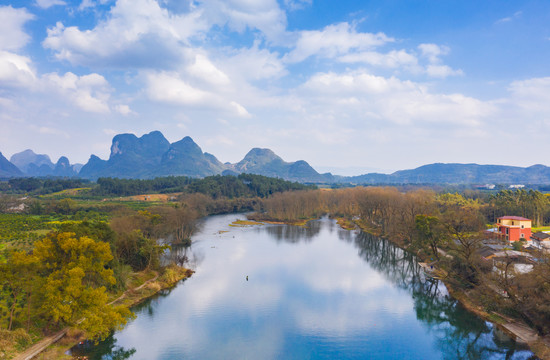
[74, 291]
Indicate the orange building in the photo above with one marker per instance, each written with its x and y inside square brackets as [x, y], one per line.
[514, 228]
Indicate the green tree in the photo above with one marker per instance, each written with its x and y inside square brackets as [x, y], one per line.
[74, 290]
[17, 281]
[429, 232]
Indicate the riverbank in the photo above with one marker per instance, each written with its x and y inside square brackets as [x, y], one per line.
[143, 286]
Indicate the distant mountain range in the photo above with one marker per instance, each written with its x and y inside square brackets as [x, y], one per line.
[152, 155]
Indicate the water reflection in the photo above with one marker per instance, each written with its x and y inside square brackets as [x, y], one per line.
[106, 350]
[292, 234]
[309, 295]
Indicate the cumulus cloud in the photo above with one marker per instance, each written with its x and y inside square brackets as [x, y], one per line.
[12, 35]
[253, 63]
[169, 87]
[15, 70]
[363, 95]
[137, 33]
[435, 68]
[89, 92]
[334, 40]
[203, 69]
[392, 59]
[266, 16]
[123, 109]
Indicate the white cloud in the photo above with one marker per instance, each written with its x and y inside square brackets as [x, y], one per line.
[532, 96]
[170, 88]
[435, 68]
[123, 109]
[442, 71]
[239, 15]
[203, 69]
[12, 35]
[15, 71]
[360, 95]
[333, 41]
[433, 52]
[136, 33]
[297, 4]
[44, 4]
[392, 59]
[253, 64]
[240, 110]
[516, 15]
[89, 92]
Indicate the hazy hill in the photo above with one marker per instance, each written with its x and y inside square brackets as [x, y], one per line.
[7, 169]
[440, 173]
[33, 164]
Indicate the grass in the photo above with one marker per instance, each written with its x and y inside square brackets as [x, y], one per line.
[241, 223]
[346, 224]
[542, 228]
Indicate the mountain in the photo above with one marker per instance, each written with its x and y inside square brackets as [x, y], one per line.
[151, 156]
[63, 168]
[7, 169]
[33, 164]
[266, 162]
[131, 157]
[441, 173]
[185, 157]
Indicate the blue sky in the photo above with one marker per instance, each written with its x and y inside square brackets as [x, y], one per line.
[349, 86]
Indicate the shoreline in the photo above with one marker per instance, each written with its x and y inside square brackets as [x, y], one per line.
[54, 346]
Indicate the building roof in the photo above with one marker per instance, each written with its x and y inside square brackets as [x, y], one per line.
[514, 218]
[540, 235]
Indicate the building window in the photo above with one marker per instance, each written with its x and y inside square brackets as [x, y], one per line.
[523, 226]
[522, 235]
[507, 231]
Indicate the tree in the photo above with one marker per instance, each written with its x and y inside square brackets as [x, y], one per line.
[429, 232]
[17, 281]
[74, 290]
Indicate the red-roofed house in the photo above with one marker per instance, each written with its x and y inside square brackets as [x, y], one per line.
[514, 228]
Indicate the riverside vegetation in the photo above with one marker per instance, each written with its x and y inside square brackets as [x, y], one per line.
[78, 246]
[70, 248]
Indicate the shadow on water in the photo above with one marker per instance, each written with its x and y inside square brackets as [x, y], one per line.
[460, 334]
[105, 350]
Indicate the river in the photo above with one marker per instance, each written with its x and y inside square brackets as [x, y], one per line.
[315, 292]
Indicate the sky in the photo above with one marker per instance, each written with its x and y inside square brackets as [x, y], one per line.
[349, 86]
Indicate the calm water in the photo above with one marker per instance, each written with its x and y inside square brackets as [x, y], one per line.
[312, 293]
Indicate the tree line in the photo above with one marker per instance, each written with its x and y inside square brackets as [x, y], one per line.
[217, 186]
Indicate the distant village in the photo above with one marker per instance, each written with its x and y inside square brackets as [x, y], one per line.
[511, 243]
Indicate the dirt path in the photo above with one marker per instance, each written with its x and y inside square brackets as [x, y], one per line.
[41, 345]
[49, 340]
